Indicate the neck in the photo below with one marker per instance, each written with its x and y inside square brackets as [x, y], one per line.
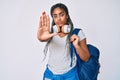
[61, 34]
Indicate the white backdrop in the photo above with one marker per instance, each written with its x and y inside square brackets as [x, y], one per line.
[21, 52]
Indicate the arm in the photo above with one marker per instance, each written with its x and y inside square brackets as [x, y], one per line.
[80, 47]
[43, 33]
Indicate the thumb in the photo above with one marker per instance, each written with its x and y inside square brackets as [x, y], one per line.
[53, 34]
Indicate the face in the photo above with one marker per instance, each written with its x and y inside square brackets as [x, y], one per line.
[60, 17]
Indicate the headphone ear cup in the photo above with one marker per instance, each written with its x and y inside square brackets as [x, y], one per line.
[66, 29]
[56, 29]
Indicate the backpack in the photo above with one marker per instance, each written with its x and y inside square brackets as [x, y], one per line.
[87, 70]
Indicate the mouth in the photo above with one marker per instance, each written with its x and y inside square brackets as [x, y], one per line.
[60, 24]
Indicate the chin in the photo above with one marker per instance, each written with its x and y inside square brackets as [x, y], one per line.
[61, 25]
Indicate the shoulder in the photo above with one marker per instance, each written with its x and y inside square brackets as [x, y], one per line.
[80, 33]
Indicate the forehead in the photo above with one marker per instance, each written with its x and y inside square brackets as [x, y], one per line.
[57, 11]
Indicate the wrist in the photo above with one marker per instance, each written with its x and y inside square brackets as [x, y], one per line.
[77, 46]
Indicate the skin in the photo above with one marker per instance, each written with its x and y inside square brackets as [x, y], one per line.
[60, 18]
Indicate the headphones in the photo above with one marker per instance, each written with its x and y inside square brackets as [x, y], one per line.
[64, 29]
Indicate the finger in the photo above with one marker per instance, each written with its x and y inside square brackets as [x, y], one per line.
[44, 18]
[74, 39]
[71, 39]
[77, 38]
[48, 21]
[40, 22]
[53, 34]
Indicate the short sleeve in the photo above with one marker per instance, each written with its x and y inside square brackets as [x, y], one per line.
[81, 35]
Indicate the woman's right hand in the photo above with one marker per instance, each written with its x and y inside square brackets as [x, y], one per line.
[43, 33]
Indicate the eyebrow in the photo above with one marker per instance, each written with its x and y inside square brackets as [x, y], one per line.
[59, 13]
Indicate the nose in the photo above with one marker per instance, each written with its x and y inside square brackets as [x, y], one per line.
[58, 18]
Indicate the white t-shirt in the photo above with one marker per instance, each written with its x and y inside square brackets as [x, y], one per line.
[59, 54]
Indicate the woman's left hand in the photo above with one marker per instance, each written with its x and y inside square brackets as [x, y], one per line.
[74, 39]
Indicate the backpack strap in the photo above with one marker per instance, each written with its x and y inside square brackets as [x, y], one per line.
[76, 31]
[72, 49]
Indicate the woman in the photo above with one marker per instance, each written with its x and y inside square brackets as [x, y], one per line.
[58, 40]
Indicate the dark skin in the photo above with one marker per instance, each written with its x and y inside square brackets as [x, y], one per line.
[60, 19]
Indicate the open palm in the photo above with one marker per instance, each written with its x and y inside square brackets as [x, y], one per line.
[43, 33]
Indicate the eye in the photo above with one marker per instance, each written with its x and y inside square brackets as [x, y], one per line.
[54, 16]
[62, 14]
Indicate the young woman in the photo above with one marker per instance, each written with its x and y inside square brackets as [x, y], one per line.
[58, 39]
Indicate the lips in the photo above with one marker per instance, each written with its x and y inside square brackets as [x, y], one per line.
[59, 23]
